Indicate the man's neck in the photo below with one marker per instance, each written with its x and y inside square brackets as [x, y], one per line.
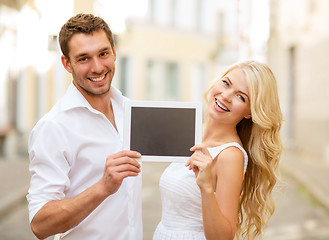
[101, 103]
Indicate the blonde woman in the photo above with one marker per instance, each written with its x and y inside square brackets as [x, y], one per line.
[225, 189]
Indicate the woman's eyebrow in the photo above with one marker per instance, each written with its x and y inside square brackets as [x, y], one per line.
[244, 94]
[229, 80]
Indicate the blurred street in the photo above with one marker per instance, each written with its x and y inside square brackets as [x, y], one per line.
[300, 213]
[170, 50]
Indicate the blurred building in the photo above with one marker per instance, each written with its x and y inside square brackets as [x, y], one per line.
[31, 76]
[9, 12]
[171, 51]
[169, 55]
[178, 47]
[298, 52]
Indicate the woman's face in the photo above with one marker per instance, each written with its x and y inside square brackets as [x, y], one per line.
[228, 100]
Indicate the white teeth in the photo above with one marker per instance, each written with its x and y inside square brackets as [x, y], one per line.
[221, 106]
[97, 79]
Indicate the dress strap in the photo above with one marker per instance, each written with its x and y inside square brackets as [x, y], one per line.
[214, 151]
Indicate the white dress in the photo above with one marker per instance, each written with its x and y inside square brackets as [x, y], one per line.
[181, 201]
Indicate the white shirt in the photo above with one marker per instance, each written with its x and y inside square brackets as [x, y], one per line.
[68, 148]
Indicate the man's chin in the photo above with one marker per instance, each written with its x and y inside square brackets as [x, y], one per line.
[100, 92]
[93, 90]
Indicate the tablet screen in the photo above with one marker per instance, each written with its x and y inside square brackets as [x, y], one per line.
[162, 131]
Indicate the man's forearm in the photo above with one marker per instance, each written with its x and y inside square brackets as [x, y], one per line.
[59, 216]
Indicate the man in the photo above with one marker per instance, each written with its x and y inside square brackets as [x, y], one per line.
[83, 185]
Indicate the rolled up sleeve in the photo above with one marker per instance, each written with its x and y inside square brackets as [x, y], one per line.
[49, 165]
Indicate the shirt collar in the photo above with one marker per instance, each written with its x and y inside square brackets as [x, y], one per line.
[74, 98]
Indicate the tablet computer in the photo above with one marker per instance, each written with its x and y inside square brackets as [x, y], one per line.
[162, 131]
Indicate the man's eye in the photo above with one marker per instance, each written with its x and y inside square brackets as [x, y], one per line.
[82, 59]
[104, 54]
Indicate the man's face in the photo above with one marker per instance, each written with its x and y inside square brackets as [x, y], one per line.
[91, 63]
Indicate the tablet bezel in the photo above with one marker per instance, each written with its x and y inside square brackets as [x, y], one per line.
[161, 104]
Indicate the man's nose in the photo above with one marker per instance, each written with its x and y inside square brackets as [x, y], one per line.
[96, 66]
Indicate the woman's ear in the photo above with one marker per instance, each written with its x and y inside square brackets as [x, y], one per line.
[248, 116]
[66, 64]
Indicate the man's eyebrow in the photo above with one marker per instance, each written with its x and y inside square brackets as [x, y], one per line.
[86, 54]
[80, 55]
[105, 49]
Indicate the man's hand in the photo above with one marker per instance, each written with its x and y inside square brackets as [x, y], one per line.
[119, 166]
[61, 215]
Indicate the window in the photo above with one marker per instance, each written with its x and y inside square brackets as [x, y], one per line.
[173, 13]
[124, 75]
[291, 92]
[152, 10]
[150, 86]
[198, 15]
[171, 81]
[198, 82]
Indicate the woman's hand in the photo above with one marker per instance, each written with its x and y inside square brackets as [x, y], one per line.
[201, 164]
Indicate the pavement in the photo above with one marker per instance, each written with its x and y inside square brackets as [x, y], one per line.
[14, 183]
[308, 171]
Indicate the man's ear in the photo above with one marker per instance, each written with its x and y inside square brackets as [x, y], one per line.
[114, 52]
[66, 63]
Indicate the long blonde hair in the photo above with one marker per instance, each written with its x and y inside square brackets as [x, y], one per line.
[261, 139]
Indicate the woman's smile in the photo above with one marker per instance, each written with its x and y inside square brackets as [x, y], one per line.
[221, 105]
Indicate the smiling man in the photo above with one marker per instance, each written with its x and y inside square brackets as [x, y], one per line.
[83, 185]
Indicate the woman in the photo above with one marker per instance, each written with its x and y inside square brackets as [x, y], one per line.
[225, 188]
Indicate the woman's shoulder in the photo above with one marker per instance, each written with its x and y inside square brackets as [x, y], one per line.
[229, 153]
[231, 147]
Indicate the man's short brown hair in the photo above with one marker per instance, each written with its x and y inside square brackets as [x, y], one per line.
[82, 23]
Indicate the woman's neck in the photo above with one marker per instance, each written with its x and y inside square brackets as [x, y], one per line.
[215, 134]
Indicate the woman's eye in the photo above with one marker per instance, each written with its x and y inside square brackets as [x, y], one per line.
[225, 83]
[242, 98]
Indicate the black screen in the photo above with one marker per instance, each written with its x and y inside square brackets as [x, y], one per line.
[162, 131]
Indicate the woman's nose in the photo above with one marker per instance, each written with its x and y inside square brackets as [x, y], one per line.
[227, 95]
